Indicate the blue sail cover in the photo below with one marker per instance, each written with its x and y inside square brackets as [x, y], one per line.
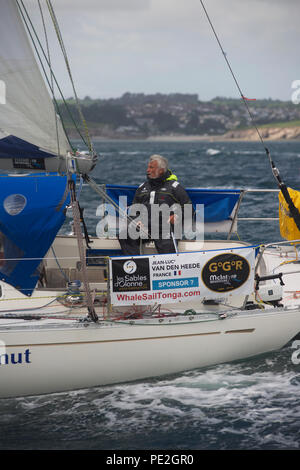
[32, 210]
[11, 146]
[218, 203]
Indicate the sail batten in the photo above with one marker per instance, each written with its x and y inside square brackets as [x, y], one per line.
[27, 114]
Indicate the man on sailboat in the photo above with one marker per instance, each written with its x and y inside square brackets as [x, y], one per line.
[157, 210]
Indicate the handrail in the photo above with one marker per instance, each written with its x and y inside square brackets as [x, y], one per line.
[267, 245]
[250, 219]
[258, 190]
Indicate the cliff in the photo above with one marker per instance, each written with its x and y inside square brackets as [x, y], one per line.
[267, 133]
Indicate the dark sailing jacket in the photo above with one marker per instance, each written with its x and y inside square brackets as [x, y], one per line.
[164, 190]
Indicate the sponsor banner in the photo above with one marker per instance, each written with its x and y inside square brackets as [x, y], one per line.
[172, 278]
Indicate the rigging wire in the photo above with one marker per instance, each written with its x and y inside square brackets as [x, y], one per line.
[51, 75]
[63, 49]
[294, 212]
[234, 78]
[43, 67]
[31, 31]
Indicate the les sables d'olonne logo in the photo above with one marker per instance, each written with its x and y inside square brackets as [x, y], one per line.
[129, 275]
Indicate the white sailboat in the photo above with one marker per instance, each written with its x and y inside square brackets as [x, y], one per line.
[72, 316]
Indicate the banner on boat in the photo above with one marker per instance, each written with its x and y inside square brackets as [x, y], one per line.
[173, 278]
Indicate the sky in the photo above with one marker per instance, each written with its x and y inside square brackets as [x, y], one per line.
[167, 46]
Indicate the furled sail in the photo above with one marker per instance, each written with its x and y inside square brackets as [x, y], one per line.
[31, 135]
[32, 210]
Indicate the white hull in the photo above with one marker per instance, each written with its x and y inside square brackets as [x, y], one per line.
[57, 352]
[44, 347]
[56, 358]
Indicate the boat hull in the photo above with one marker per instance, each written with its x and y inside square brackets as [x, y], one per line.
[60, 358]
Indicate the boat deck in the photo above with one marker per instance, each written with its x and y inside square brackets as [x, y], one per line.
[55, 306]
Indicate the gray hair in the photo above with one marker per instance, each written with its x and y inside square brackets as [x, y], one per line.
[162, 161]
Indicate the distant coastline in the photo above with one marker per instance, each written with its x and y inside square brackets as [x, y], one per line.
[267, 133]
[181, 117]
[246, 135]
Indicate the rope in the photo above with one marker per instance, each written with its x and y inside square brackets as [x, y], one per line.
[51, 75]
[234, 78]
[293, 210]
[77, 228]
[27, 22]
[63, 49]
[59, 266]
[122, 212]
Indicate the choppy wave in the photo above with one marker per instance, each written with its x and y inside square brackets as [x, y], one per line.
[213, 152]
[248, 405]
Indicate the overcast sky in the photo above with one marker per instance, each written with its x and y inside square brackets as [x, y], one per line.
[167, 46]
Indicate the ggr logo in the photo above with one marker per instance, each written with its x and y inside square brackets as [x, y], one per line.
[2, 92]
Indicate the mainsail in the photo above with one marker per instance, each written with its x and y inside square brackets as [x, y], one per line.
[31, 134]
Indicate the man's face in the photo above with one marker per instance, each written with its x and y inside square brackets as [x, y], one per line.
[153, 171]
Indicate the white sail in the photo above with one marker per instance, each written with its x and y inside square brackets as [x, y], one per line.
[26, 109]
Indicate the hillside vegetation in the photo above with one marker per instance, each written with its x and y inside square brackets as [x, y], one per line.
[143, 116]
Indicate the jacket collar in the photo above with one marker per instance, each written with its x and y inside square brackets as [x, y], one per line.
[167, 176]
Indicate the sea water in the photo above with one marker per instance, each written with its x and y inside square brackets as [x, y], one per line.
[246, 405]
